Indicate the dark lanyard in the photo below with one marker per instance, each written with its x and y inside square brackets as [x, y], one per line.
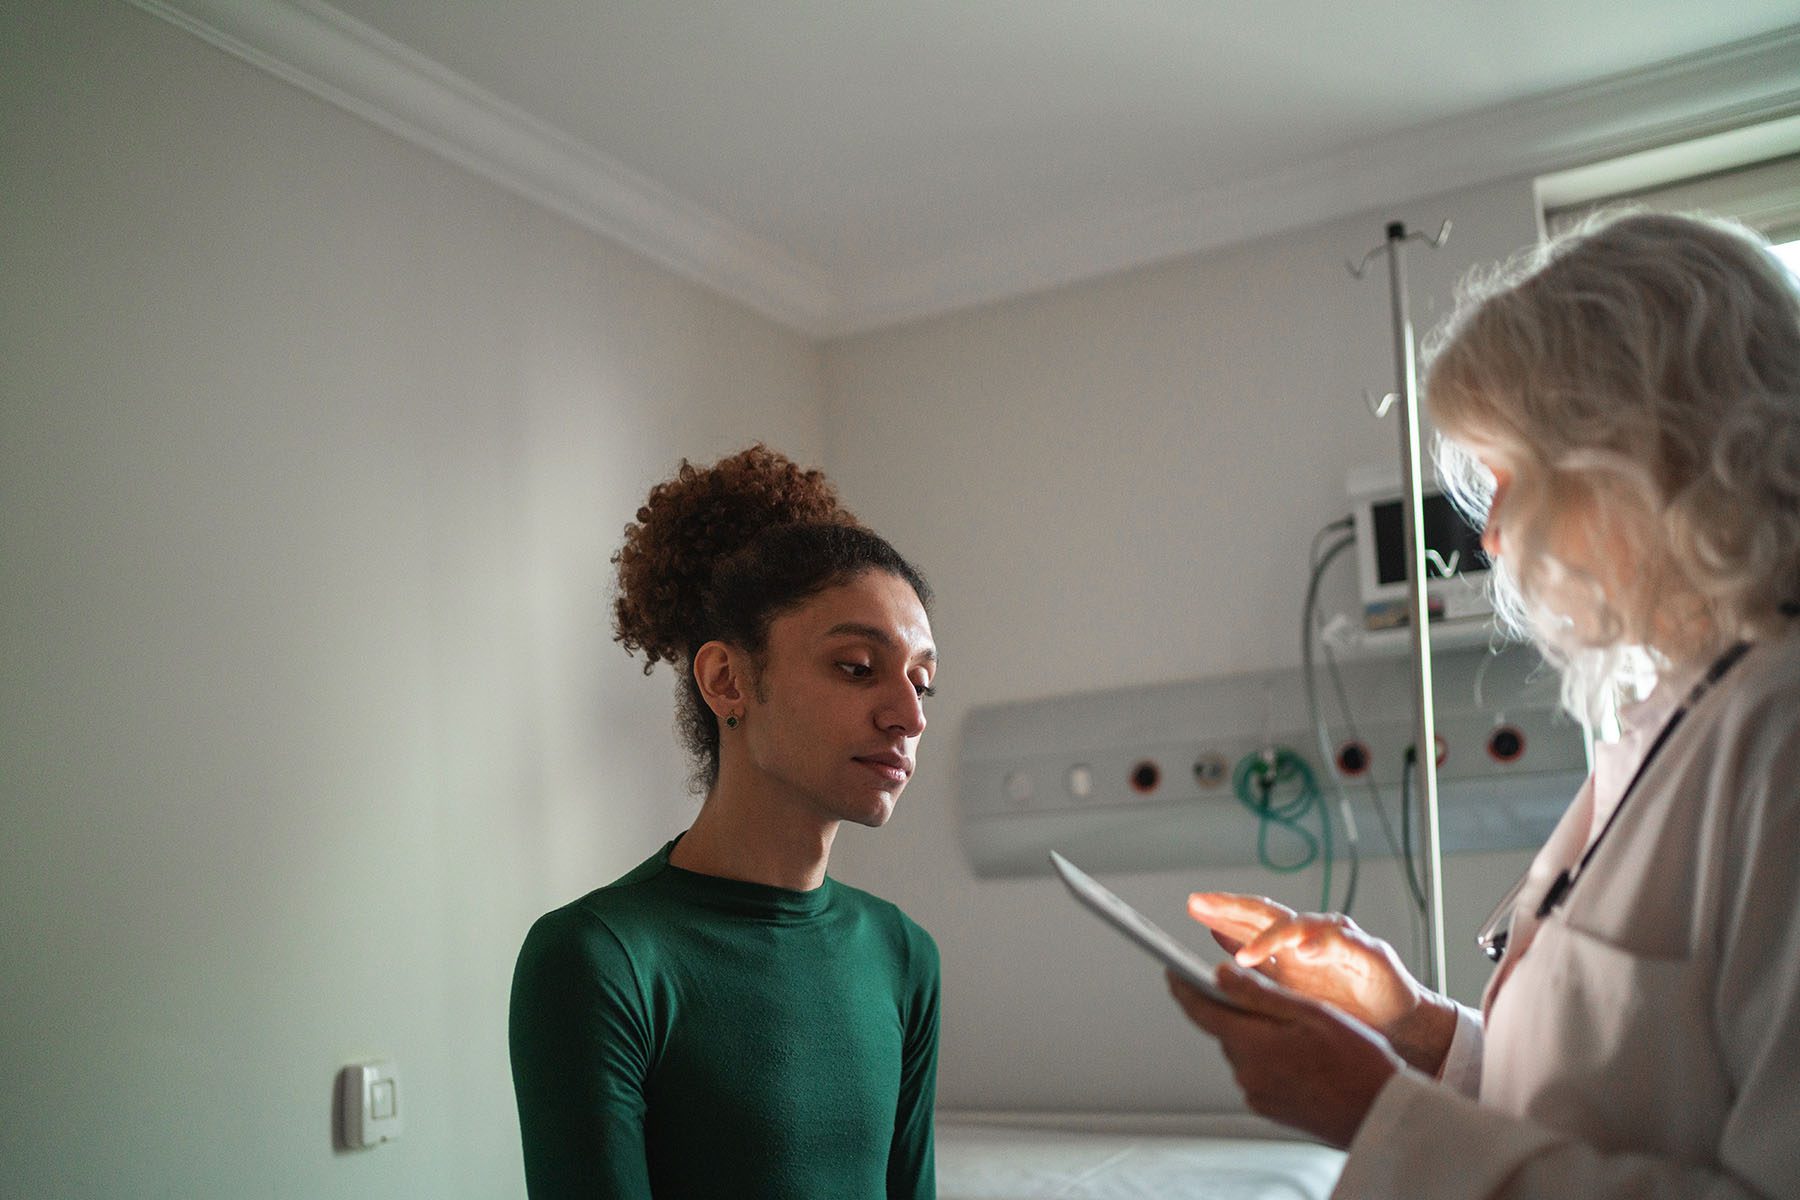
[1565, 879]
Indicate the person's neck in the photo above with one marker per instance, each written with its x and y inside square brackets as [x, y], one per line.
[750, 834]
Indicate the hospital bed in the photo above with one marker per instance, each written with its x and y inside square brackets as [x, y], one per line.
[1001, 1156]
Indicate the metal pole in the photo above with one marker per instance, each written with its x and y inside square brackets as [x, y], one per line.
[1419, 617]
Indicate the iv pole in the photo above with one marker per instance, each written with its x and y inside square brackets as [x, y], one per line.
[1418, 617]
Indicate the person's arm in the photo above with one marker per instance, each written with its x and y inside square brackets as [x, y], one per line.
[580, 1053]
[1423, 1140]
[1326, 957]
[1420, 1140]
[912, 1166]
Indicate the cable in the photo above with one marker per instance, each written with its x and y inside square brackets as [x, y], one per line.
[1387, 826]
[1406, 834]
[1254, 781]
[1309, 609]
[1415, 912]
[1319, 726]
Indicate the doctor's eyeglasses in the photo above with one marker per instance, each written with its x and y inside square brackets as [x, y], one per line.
[1491, 937]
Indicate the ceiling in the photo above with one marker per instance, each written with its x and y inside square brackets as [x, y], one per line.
[842, 164]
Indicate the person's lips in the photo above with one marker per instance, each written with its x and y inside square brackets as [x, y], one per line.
[889, 764]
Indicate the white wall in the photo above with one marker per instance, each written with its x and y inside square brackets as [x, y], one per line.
[1113, 484]
[313, 450]
[312, 453]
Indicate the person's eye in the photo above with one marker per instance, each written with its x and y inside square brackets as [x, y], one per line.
[856, 670]
[924, 689]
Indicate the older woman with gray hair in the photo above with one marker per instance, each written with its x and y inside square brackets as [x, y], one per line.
[1623, 407]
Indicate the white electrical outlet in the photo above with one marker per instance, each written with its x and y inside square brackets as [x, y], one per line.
[369, 1095]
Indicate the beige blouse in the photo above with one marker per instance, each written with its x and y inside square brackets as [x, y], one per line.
[1644, 1039]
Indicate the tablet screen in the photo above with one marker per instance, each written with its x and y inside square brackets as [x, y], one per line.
[1141, 929]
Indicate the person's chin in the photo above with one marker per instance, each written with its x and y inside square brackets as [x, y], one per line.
[876, 810]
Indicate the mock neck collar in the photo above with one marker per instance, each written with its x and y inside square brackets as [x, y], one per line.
[743, 897]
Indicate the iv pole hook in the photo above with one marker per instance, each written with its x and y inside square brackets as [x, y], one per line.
[1359, 269]
[1378, 406]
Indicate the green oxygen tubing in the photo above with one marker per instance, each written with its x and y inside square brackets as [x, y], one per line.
[1279, 787]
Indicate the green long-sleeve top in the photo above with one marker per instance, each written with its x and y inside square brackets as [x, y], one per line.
[679, 1035]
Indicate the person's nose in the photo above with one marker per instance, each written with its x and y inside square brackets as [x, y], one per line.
[1490, 537]
[905, 713]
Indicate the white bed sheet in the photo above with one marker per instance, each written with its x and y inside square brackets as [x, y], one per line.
[977, 1162]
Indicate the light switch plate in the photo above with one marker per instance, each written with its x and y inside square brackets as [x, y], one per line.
[369, 1096]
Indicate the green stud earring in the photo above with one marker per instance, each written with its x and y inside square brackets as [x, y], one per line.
[731, 722]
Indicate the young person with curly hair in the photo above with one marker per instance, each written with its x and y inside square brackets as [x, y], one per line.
[727, 1020]
[1625, 406]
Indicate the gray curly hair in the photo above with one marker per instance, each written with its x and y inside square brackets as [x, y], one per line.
[1641, 373]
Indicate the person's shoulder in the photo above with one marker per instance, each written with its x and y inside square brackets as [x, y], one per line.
[1775, 663]
[877, 907]
[910, 936]
[574, 938]
[1756, 760]
[1763, 703]
[596, 928]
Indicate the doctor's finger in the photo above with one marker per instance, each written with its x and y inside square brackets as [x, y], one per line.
[1220, 1020]
[1311, 939]
[1281, 938]
[1235, 915]
[1262, 1001]
[1226, 942]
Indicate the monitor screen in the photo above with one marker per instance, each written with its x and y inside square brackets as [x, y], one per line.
[1452, 545]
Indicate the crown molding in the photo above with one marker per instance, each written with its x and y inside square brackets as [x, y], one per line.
[1694, 96]
[1666, 165]
[343, 61]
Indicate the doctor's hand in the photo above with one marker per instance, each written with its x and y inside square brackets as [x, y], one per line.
[1328, 958]
[1298, 1061]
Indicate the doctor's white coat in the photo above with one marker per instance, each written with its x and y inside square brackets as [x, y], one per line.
[1644, 1039]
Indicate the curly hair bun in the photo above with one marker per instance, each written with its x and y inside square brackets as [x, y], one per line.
[693, 522]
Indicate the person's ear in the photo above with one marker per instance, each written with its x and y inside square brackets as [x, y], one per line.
[719, 671]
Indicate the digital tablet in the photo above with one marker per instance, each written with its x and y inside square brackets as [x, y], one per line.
[1142, 930]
